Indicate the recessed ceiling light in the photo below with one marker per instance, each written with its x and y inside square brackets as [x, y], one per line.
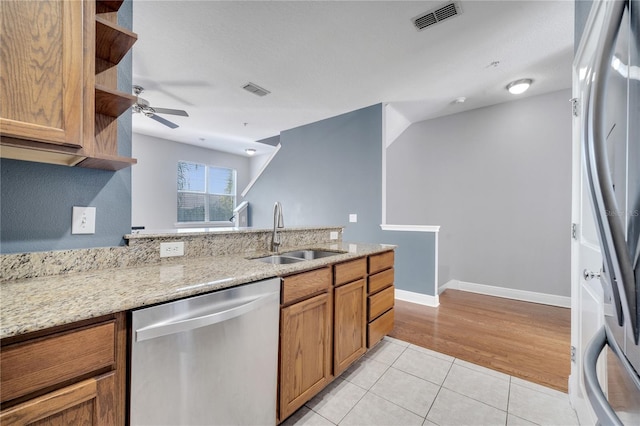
[519, 86]
[250, 151]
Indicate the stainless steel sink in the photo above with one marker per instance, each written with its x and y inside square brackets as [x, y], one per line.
[296, 256]
[277, 259]
[311, 254]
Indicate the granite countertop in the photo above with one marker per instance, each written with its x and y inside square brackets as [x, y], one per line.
[37, 303]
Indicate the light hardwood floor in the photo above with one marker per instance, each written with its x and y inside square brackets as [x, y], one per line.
[526, 340]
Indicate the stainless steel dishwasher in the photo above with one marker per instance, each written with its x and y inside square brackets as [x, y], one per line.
[207, 360]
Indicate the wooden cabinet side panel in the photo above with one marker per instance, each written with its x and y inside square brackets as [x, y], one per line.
[88, 97]
[112, 386]
[349, 335]
[305, 355]
[41, 64]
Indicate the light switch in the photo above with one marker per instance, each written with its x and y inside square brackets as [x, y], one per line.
[83, 220]
[353, 217]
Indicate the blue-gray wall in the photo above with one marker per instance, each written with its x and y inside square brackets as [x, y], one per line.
[497, 180]
[414, 261]
[326, 170]
[323, 172]
[37, 199]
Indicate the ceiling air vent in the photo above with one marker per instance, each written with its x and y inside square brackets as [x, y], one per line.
[255, 89]
[435, 16]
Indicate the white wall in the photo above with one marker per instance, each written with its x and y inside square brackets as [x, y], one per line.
[256, 164]
[154, 178]
[498, 182]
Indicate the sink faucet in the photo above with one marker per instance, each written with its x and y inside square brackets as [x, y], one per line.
[278, 222]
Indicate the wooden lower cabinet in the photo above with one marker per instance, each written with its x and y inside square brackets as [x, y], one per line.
[381, 297]
[74, 375]
[305, 351]
[349, 330]
[76, 404]
[379, 328]
[328, 319]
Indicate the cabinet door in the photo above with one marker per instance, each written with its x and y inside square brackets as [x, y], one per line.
[41, 70]
[305, 351]
[76, 404]
[349, 333]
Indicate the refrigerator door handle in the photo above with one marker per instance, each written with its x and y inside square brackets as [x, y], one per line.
[604, 411]
[618, 271]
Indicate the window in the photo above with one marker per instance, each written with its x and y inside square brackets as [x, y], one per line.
[205, 193]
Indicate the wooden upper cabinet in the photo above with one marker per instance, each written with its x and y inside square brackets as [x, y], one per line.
[41, 71]
[58, 82]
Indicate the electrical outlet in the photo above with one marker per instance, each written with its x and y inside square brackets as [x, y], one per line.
[83, 220]
[172, 249]
[333, 235]
[353, 217]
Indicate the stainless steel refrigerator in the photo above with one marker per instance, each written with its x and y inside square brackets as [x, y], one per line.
[611, 139]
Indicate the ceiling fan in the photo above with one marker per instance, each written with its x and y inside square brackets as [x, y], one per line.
[143, 106]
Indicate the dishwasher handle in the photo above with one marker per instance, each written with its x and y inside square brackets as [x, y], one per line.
[173, 327]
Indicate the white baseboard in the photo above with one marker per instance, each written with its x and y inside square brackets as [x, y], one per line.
[508, 293]
[419, 298]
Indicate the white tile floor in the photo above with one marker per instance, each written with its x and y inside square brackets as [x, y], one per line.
[397, 383]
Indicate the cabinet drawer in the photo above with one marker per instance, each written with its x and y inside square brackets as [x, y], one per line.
[380, 280]
[381, 302]
[379, 328]
[350, 271]
[295, 287]
[66, 406]
[38, 364]
[382, 261]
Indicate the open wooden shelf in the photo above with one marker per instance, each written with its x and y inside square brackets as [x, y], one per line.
[107, 162]
[103, 6]
[88, 135]
[112, 41]
[112, 102]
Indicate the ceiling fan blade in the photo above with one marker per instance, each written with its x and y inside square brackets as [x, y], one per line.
[163, 121]
[171, 111]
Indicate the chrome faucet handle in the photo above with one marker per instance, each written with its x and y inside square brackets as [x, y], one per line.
[278, 222]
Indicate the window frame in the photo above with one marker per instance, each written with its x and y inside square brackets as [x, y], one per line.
[206, 193]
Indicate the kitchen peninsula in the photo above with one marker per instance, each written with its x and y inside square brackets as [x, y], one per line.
[53, 296]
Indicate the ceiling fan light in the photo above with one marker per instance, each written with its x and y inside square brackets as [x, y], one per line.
[250, 151]
[519, 86]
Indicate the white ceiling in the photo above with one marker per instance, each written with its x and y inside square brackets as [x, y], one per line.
[324, 58]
